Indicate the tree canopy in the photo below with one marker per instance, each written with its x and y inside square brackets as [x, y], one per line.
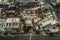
[58, 5]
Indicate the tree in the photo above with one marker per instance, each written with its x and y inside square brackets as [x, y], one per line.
[58, 5]
[19, 16]
[37, 32]
[26, 29]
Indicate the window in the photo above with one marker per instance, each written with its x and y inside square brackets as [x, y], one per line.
[6, 24]
[15, 24]
[9, 24]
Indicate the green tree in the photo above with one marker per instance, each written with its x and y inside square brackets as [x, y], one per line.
[20, 16]
[37, 32]
[27, 28]
[58, 5]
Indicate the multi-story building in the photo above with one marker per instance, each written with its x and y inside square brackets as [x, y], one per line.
[12, 23]
[9, 24]
[42, 16]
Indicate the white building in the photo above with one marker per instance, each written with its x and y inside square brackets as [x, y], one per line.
[12, 23]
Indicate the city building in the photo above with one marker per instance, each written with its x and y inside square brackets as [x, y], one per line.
[45, 17]
[13, 23]
[34, 13]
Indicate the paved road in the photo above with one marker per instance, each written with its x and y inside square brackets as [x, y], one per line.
[27, 38]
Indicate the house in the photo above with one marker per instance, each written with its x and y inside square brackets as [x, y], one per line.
[13, 23]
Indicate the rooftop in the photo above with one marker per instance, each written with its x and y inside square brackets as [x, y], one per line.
[10, 20]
